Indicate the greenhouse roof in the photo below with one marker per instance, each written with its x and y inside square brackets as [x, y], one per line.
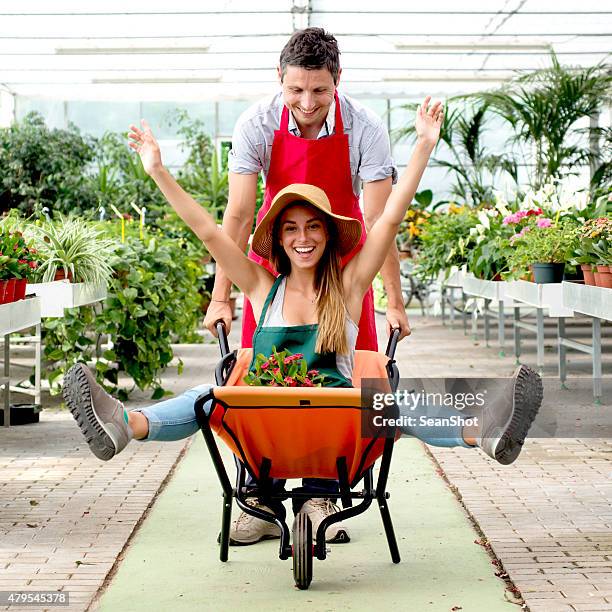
[204, 50]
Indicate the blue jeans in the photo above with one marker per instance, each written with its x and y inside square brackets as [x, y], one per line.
[174, 419]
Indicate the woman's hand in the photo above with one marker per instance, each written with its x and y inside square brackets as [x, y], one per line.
[144, 143]
[428, 121]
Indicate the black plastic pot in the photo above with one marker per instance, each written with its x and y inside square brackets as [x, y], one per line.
[544, 273]
[22, 414]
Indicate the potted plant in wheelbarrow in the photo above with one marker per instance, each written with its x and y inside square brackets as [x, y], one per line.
[544, 246]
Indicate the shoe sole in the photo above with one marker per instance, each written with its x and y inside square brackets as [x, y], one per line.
[239, 543]
[77, 395]
[527, 395]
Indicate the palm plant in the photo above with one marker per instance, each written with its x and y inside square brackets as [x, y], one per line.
[475, 170]
[74, 246]
[543, 106]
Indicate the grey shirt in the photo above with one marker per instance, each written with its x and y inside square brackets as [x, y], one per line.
[369, 147]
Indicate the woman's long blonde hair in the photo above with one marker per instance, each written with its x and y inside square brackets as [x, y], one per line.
[331, 309]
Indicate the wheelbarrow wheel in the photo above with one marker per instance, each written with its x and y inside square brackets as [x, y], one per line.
[302, 551]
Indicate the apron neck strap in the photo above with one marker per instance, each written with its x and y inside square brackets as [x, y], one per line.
[284, 124]
[269, 299]
[339, 125]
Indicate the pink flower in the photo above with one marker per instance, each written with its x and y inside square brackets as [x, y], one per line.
[544, 222]
[265, 365]
[276, 371]
[290, 382]
[308, 382]
[313, 372]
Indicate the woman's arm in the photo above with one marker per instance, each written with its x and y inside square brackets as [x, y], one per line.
[361, 270]
[251, 278]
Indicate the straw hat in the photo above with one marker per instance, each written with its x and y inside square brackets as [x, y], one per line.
[349, 229]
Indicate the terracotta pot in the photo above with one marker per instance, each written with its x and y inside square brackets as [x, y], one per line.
[587, 272]
[603, 278]
[2, 290]
[405, 254]
[20, 288]
[61, 275]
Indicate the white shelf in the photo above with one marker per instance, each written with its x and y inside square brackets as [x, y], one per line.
[490, 290]
[58, 295]
[19, 315]
[546, 296]
[588, 300]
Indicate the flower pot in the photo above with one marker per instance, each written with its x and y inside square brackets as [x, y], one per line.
[544, 273]
[20, 288]
[603, 277]
[9, 291]
[2, 290]
[587, 272]
[61, 275]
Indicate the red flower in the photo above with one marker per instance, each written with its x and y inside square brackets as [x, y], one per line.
[313, 372]
[290, 382]
[308, 382]
[265, 365]
[275, 370]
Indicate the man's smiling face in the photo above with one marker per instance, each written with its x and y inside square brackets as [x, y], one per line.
[308, 94]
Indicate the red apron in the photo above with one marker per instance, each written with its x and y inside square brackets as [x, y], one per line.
[323, 162]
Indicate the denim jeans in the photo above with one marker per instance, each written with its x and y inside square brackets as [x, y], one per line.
[174, 419]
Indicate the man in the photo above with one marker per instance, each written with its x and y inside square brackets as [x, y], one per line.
[309, 133]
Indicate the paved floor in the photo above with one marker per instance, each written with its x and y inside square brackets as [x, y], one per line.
[64, 517]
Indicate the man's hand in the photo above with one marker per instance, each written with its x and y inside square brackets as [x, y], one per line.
[218, 311]
[397, 317]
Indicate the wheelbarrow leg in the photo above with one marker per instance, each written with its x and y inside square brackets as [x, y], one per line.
[225, 527]
[389, 531]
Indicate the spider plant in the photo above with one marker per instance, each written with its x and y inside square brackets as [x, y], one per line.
[74, 246]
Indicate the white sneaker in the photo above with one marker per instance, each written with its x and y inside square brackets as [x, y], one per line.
[320, 508]
[247, 529]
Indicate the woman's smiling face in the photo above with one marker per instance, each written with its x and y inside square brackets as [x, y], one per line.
[303, 235]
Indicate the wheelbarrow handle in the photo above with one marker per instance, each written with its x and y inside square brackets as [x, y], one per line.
[222, 335]
[392, 344]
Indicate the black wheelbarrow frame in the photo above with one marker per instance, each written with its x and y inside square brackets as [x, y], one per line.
[302, 529]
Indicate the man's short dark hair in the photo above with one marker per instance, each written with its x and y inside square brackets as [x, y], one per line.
[313, 49]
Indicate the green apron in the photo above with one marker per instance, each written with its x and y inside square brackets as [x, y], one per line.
[296, 339]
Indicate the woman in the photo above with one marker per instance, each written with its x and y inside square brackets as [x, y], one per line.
[310, 308]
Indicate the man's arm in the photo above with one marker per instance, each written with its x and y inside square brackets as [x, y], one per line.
[375, 195]
[237, 223]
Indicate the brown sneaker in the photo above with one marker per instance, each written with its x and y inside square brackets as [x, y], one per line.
[102, 419]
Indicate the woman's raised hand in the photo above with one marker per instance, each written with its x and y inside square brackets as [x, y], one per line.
[144, 143]
[429, 120]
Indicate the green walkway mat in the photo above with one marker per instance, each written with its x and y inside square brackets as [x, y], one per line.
[172, 562]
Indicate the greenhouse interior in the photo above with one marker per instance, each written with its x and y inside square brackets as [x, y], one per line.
[365, 250]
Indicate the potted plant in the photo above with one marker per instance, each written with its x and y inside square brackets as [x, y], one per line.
[544, 246]
[75, 249]
[598, 235]
[17, 264]
[408, 236]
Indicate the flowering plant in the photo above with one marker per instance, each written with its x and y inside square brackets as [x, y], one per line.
[596, 241]
[543, 240]
[17, 259]
[283, 369]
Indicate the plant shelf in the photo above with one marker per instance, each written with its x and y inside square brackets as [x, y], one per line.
[58, 295]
